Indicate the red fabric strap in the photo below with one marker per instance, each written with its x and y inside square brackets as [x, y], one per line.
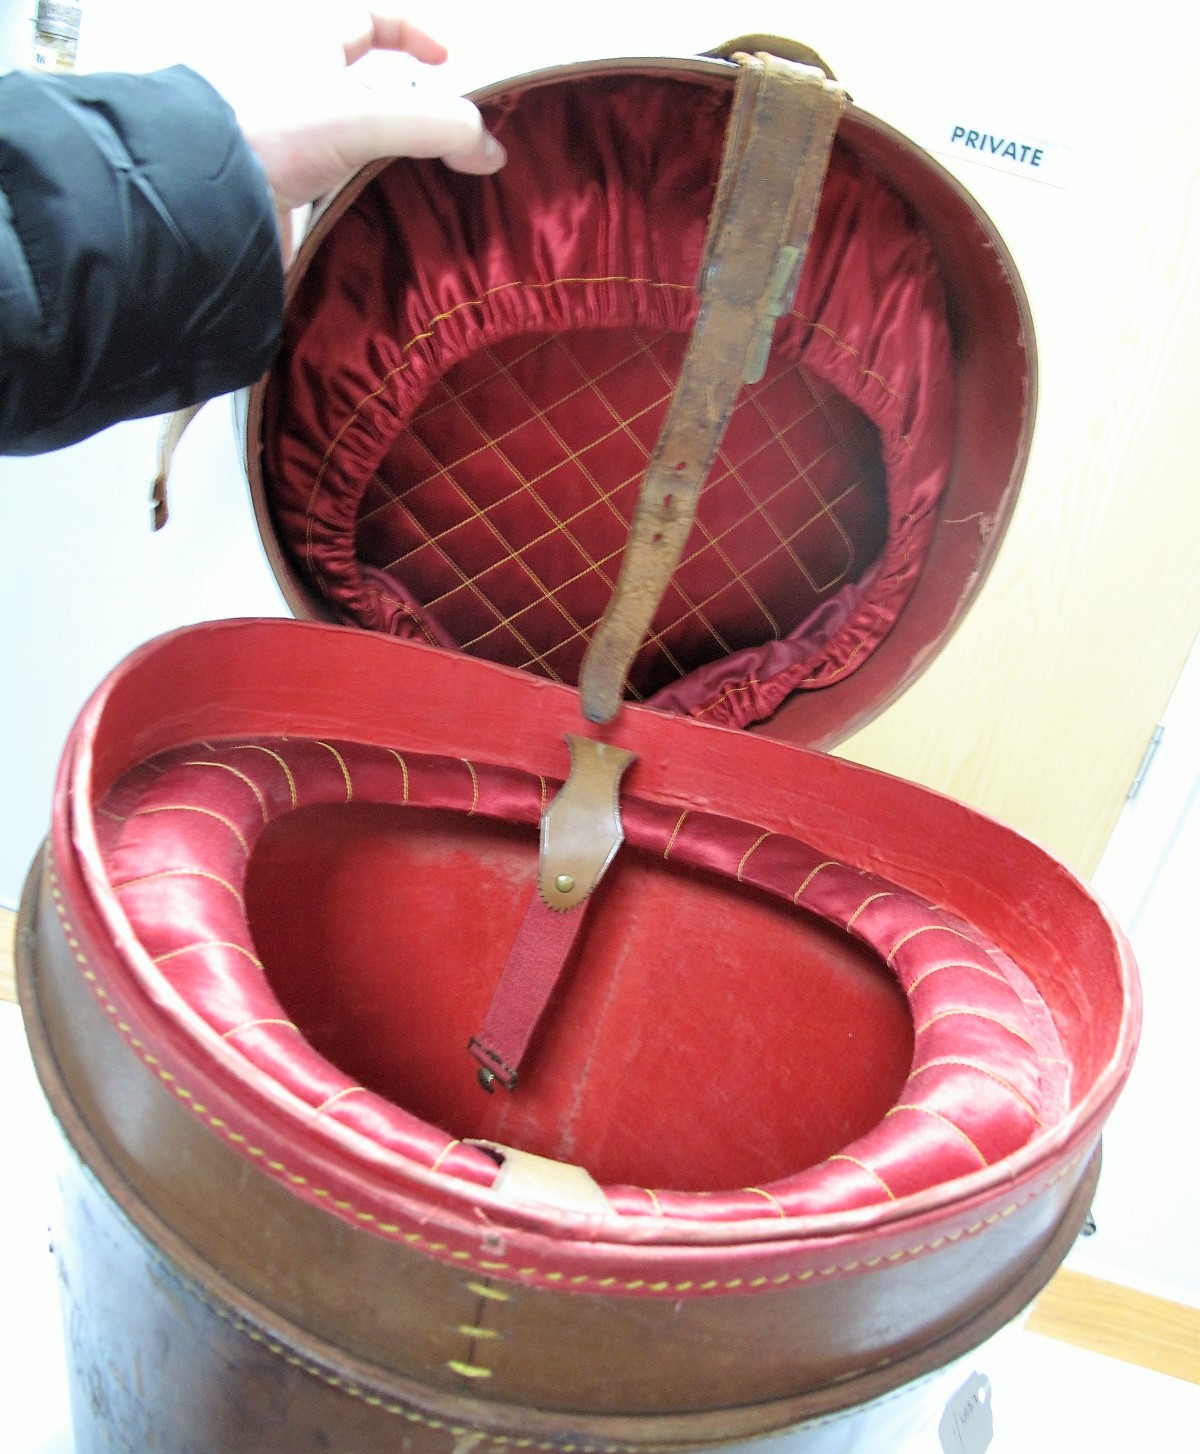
[539, 955]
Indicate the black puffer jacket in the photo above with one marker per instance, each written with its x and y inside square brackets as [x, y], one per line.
[139, 261]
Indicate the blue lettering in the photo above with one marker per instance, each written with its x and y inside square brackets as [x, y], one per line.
[1022, 152]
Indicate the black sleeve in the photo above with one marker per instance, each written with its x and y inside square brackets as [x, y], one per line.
[139, 257]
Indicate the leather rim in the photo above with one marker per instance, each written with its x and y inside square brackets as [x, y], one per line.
[500, 1422]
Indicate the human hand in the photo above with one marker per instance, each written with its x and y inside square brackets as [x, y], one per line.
[317, 123]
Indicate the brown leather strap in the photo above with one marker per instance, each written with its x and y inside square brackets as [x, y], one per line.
[171, 433]
[581, 833]
[776, 45]
[776, 151]
[581, 829]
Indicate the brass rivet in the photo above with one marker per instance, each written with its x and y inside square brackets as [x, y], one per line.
[564, 883]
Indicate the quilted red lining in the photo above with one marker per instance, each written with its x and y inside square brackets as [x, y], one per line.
[476, 371]
[178, 834]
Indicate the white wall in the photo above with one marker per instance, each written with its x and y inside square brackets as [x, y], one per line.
[1148, 1204]
[16, 31]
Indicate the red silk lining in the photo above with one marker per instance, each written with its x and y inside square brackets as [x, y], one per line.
[178, 835]
[476, 371]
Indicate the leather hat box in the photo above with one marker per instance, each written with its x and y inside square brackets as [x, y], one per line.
[412, 1099]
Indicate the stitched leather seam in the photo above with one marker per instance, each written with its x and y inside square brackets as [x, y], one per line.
[441, 1250]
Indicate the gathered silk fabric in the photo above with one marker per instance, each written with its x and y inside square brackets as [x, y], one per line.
[475, 372]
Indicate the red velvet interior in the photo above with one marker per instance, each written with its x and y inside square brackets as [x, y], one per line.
[746, 1085]
[476, 370]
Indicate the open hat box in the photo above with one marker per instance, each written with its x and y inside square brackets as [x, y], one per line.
[371, 1143]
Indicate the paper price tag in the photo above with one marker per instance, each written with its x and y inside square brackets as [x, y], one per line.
[966, 1426]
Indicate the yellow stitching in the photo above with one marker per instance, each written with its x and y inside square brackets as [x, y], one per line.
[879, 379]
[560, 526]
[403, 770]
[190, 808]
[349, 1090]
[977, 1015]
[254, 1024]
[497, 1295]
[862, 1165]
[964, 964]
[411, 1238]
[209, 944]
[341, 762]
[428, 333]
[751, 685]
[474, 786]
[654, 1201]
[250, 783]
[464, 579]
[405, 608]
[714, 543]
[982, 1070]
[848, 665]
[674, 835]
[469, 1330]
[825, 510]
[695, 610]
[828, 863]
[443, 1153]
[925, 929]
[945, 1120]
[287, 772]
[758, 842]
[886, 894]
[740, 576]
[775, 1202]
[468, 1370]
[178, 873]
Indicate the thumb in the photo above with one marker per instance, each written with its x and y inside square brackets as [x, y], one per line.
[423, 124]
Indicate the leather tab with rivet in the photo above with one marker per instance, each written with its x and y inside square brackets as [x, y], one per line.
[581, 829]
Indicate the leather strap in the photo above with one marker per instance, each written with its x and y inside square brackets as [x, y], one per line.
[581, 829]
[169, 437]
[776, 152]
[581, 833]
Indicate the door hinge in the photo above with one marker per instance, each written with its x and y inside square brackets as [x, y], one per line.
[1139, 777]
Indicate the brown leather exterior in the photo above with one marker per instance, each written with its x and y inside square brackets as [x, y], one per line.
[236, 1297]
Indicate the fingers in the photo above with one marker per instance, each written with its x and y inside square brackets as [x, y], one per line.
[431, 125]
[378, 30]
[343, 126]
[481, 158]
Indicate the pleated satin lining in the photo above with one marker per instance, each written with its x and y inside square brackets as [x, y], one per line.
[177, 835]
[475, 372]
